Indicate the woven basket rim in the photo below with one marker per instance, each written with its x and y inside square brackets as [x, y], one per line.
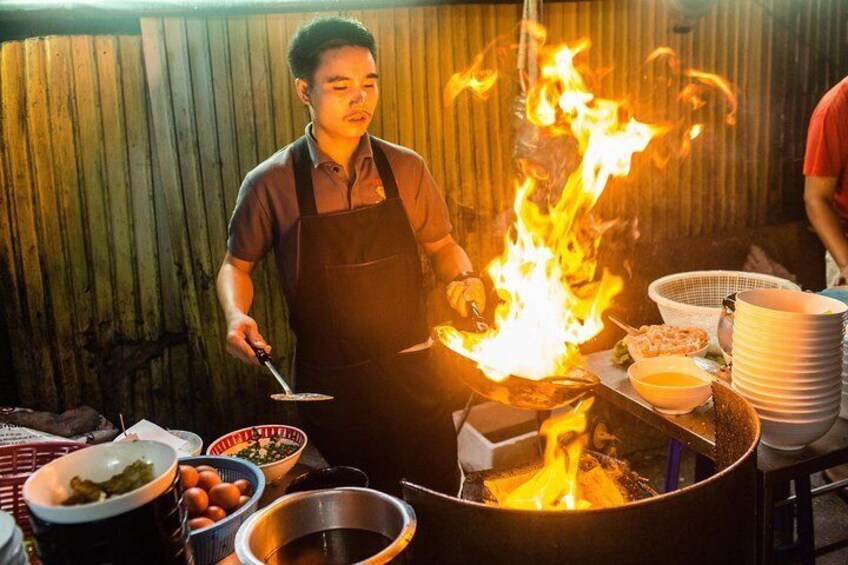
[653, 292]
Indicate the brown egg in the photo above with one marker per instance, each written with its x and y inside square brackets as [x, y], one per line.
[196, 500]
[201, 468]
[188, 476]
[243, 500]
[198, 523]
[208, 479]
[244, 486]
[225, 495]
[215, 513]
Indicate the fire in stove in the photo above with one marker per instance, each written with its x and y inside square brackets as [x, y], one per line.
[551, 295]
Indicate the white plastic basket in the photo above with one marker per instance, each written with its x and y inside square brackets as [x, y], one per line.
[694, 299]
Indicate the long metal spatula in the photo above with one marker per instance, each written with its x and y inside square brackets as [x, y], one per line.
[288, 395]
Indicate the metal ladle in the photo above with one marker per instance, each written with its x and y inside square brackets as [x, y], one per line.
[288, 395]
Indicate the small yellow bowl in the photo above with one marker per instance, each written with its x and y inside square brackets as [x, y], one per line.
[672, 385]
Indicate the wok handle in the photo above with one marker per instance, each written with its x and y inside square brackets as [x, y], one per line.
[477, 319]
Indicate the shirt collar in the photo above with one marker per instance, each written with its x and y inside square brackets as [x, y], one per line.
[318, 157]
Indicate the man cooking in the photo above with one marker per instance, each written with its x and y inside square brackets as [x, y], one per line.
[344, 213]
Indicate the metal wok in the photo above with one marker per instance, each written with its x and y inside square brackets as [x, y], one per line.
[520, 392]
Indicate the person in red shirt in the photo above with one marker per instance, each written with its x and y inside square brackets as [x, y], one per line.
[826, 182]
[826, 195]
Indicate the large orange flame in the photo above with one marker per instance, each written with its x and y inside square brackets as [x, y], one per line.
[546, 278]
[722, 85]
[551, 298]
[555, 486]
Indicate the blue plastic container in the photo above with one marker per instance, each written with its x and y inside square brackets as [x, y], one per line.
[838, 292]
[215, 542]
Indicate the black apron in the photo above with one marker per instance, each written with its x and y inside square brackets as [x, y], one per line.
[357, 302]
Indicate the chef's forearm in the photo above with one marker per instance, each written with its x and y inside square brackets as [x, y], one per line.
[235, 290]
[449, 261]
[828, 227]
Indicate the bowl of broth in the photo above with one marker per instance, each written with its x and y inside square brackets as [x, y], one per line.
[671, 385]
[328, 527]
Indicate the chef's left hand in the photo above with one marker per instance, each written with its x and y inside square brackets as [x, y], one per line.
[460, 293]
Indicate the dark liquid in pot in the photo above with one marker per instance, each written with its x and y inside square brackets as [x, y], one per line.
[330, 547]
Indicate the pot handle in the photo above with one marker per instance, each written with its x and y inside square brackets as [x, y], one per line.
[729, 303]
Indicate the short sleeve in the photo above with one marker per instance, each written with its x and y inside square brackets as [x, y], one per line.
[430, 219]
[826, 144]
[250, 230]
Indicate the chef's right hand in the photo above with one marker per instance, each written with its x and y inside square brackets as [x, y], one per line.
[242, 330]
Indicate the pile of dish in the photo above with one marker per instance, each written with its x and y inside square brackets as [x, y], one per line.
[787, 362]
[843, 412]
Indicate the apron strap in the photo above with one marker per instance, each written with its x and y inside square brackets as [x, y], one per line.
[303, 178]
[385, 170]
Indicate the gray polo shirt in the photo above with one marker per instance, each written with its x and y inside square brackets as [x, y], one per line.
[266, 211]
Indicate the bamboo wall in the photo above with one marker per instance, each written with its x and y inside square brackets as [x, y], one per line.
[122, 157]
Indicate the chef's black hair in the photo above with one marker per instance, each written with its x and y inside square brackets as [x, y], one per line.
[322, 34]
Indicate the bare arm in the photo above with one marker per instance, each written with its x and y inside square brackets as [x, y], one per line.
[818, 199]
[450, 260]
[235, 294]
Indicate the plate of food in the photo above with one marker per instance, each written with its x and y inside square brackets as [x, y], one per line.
[100, 482]
[274, 448]
[663, 340]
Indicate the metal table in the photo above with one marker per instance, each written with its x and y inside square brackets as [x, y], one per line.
[775, 468]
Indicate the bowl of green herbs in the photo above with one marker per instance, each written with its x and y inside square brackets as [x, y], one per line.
[274, 448]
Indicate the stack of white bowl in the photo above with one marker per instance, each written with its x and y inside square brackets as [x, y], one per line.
[787, 361]
[843, 412]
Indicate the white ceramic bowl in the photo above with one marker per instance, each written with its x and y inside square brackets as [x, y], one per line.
[803, 327]
[194, 443]
[797, 367]
[791, 348]
[788, 379]
[779, 411]
[794, 352]
[765, 386]
[783, 403]
[785, 305]
[786, 332]
[45, 489]
[786, 376]
[776, 394]
[234, 442]
[809, 416]
[790, 435]
[673, 400]
[797, 352]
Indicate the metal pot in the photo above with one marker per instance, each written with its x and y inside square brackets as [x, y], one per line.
[301, 514]
[725, 324]
[519, 392]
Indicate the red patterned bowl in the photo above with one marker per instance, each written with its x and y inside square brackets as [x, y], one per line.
[234, 442]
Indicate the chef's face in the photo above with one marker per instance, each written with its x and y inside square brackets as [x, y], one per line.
[343, 92]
